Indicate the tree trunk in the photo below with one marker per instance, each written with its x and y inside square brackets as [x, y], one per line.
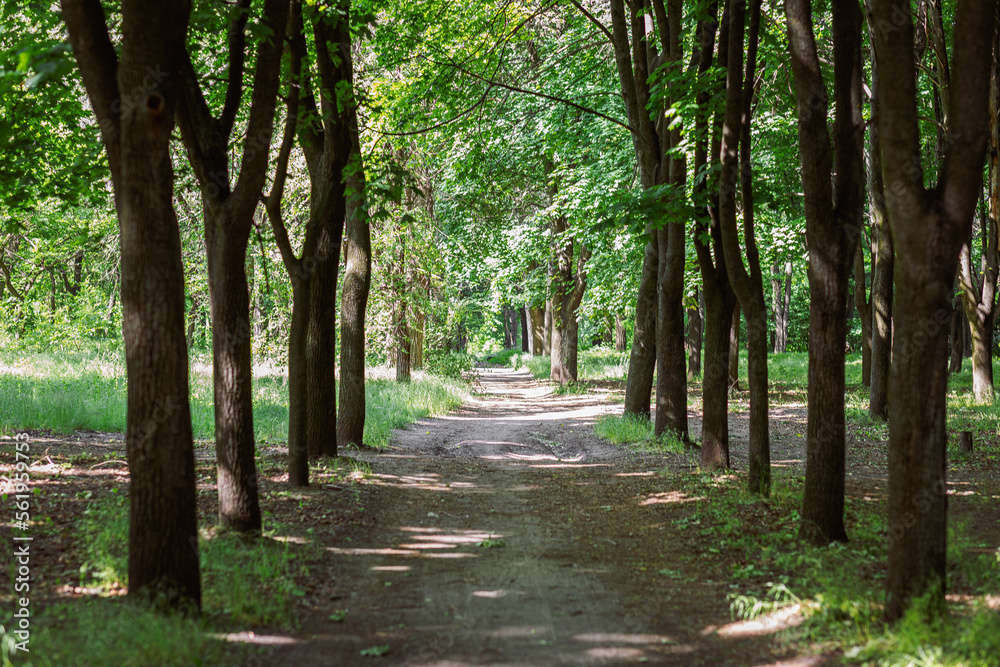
[863, 306]
[354, 297]
[547, 326]
[833, 180]
[694, 337]
[733, 375]
[928, 228]
[525, 338]
[163, 534]
[781, 286]
[881, 298]
[720, 302]
[239, 508]
[621, 338]
[298, 382]
[979, 292]
[401, 332]
[959, 330]
[748, 282]
[537, 316]
[321, 353]
[642, 359]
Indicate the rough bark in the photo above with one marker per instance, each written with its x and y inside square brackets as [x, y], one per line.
[228, 213]
[881, 297]
[671, 376]
[979, 291]
[135, 111]
[864, 307]
[834, 208]
[621, 338]
[694, 335]
[928, 228]
[354, 298]
[642, 357]
[747, 281]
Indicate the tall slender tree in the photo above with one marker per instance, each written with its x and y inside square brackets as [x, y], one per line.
[832, 175]
[928, 229]
[229, 212]
[134, 97]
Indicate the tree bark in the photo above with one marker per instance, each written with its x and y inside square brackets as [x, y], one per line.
[228, 221]
[354, 297]
[694, 335]
[748, 283]
[834, 208]
[733, 375]
[537, 317]
[928, 228]
[163, 535]
[881, 297]
[863, 306]
[525, 339]
[979, 292]
[781, 304]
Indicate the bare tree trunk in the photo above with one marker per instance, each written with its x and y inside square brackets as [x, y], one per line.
[354, 298]
[694, 335]
[621, 339]
[863, 306]
[833, 178]
[525, 337]
[733, 374]
[642, 359]
[537, 317]
[881, 299]
[928, 228]
[163, 535]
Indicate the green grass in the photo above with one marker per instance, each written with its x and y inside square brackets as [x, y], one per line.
[72, 391]
[114, 631]
[840, 587]
[246, 582]
[636, 433]
[391, 405]
[593, 364]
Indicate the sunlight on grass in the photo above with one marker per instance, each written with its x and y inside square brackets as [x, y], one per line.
[72, 391]
[594, 364]
[637, 433]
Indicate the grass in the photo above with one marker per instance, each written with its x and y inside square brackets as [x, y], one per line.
[391, 405]
[66, 392]
[840, 587]
[246, 582]
[593, 364]
[636, 433]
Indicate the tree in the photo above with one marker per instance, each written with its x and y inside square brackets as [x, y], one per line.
[832, 176]
[228, 216]
[134, 98]
[979, 288]
[748, 282]
[928, 228]
[881, 296]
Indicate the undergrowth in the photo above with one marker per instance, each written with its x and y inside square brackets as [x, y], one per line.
[839, 588]
[636, 433]
[246, 582]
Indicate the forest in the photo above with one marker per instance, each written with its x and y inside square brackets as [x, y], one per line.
[507, 332]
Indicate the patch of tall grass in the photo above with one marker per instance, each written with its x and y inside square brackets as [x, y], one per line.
[391, 405]
[594, 364]
[70, 391]
[636, 433]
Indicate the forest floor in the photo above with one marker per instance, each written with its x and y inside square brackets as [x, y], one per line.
[505, 533]
[508, 533]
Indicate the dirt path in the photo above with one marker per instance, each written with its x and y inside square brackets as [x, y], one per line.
[507, 533]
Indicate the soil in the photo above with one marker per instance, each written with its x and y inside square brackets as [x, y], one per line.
[508, 533]
[505, 533]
